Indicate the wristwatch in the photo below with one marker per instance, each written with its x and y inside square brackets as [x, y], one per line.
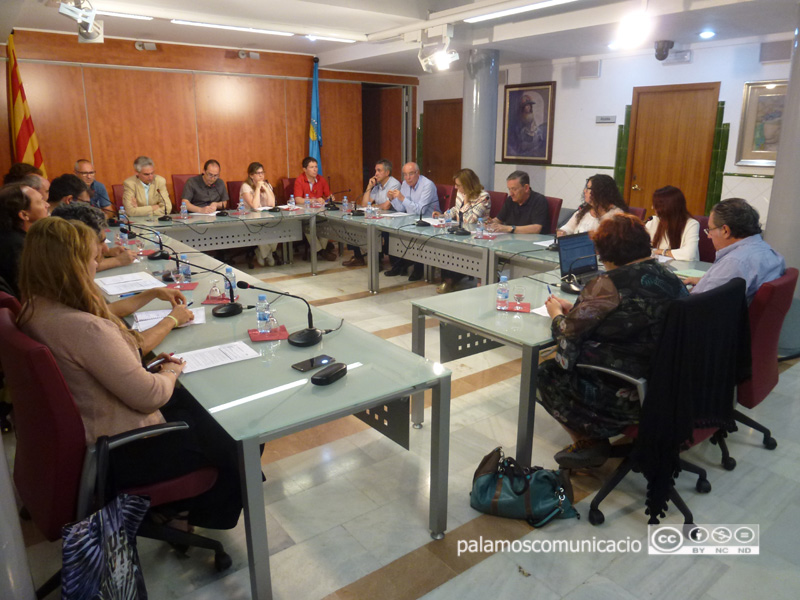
[513, 228]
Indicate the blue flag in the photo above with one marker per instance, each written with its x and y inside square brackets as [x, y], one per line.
[315, 130]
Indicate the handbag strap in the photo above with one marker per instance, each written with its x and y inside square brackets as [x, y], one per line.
[560, 494]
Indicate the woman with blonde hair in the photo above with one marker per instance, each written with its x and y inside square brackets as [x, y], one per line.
[257, 192]
[472, 203]
[101, 361]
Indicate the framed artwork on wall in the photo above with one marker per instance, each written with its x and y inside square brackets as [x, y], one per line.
[528, 110]
[760, 127]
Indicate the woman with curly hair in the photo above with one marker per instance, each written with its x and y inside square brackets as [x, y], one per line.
[601, 199]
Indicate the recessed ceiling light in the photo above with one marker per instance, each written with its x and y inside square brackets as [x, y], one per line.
[329, 39]
[707, 34]
[633, 31]
[106, 13]
[231, 27]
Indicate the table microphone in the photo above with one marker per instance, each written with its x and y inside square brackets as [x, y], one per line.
[570, 283]
[422, 222]
[459, 229]
[165, 218]
[309, 336]
[231, 309]
[160, 255]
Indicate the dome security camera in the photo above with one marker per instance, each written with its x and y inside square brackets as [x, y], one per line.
[662, 49]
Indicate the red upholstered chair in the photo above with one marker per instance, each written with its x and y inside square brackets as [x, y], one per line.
[8, 301]
[638, 211]
[704, 245]
[767, 312]
[553, 212]
[447, 196]
[233, 194]
[54, 470]
[288, 187]
[498, 199]
[117, 188]
[178, 181]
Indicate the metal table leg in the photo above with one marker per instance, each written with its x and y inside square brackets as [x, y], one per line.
[440, 446]
[527, 404]
[255, 520]
[418, 347]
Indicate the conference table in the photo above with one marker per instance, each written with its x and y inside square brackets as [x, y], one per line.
[474, 311]
[263, 398]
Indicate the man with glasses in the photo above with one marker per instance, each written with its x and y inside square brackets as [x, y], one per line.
[734, 229]
[206, 193]
[145, 193]
[416, 196]
[98, 195]
[524, 210]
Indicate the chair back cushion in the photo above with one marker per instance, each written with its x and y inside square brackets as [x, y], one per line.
[178, 182]
[117, 189]
[704, 245]
[638, 211]
[234, 187]
[498, 199]
[10, 302]
[447, 196]
[553, 212]
[767, 312]
[51, 441]
[288, 187]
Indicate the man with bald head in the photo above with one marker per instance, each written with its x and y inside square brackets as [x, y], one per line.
[98, 195]
[416, 196]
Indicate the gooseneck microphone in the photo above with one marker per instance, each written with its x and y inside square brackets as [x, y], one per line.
[459, 229]
[421, 222]
[309, 336]
[570, 283]
[165, 217]
[231, 309]
[161, 254]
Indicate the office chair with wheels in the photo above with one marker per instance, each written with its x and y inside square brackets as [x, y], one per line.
[767, 312]
[54, 470]
[446, 195]
[703, 352]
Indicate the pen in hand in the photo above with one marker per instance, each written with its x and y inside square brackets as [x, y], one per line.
[549, 291]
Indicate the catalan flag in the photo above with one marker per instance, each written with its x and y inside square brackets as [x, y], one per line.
[315, 129]
[26, 145]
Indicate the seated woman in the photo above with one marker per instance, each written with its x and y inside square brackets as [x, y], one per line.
[101, 362]
[615, 323]
[257, 192]
[672, 230]
[472, 203]
[601, 200]
[20, 207]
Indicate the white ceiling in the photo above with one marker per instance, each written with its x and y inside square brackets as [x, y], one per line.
[582, 28]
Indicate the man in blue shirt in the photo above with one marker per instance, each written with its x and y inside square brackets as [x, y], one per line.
[98, 195]
[416, 196]
[741, 251]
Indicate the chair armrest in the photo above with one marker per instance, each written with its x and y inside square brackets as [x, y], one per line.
[639, 383]
[89, 474]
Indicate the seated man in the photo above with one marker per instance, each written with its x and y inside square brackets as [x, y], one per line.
[145, 193]
[67, 188]
[98, 195]
[377, 191]
[524, 211]
[95, 218]
[310, 183]
[20, 171]
[741, 251]
[416, 196]
[20, 207]
[206, 193]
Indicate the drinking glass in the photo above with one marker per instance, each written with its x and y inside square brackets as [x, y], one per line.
[441, 220]
[519, 296]
[176, 273]
[215, 293]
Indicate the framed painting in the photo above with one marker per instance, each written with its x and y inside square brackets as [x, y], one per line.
[528, 111]
[760, 127]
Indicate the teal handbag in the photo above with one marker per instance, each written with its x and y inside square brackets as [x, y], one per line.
[504, 488]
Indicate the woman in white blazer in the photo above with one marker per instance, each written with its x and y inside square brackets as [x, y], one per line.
[673, 231]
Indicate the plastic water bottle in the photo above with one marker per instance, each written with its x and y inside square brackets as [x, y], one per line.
[291, 202]
[184, 210]
[241, 206]
[230, 282]
[124, 225]
[502, 293]
[185, 269]
[448, 220]
[263, 313]
[370, 212]
[307, 203]
[345, 206]
[479, 230]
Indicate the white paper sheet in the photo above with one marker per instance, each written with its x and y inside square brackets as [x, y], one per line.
[150, 318]
[125, 284]
[544, 243]
[542, 310]
[197, 360]
[393, 215]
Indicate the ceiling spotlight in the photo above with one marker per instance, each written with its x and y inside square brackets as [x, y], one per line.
[83, 13]
[707, 34]
[438, 57]
[633, 31]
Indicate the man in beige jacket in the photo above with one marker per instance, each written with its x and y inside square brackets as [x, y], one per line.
[145, 192]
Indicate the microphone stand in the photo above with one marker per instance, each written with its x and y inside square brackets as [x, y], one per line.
[570, 281]
[309, 336]
[231, 309]
[165, 218]
[421, 222]
[332, 205]
[459, 229]
[160, 255]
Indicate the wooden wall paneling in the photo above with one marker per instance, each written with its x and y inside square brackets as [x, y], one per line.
[55, 96]
[298, 115]
[134, 113]
[241, 120]
[340, 112]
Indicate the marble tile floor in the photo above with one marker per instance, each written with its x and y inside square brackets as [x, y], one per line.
[347, 509]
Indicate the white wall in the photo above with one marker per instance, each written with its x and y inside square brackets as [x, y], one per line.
[579, 141]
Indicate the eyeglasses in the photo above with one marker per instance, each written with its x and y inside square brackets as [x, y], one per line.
[708, 230]
[212, 175]
[255, 173]
[86, 172]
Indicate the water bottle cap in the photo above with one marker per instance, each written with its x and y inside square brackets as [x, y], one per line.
[262, 297]
[183, 256]
[229, 269]
[503, 278]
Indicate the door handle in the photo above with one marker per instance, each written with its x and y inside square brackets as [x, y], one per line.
[635, 187]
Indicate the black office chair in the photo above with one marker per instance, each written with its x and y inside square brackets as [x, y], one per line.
[703, 352]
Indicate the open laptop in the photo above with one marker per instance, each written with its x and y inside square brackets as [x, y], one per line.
[577, 256]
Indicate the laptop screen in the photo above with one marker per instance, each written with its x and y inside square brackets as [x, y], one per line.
[573, 247]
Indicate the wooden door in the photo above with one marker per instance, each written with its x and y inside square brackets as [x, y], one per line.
[382, 128]
[670, 143]
[441, 144]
